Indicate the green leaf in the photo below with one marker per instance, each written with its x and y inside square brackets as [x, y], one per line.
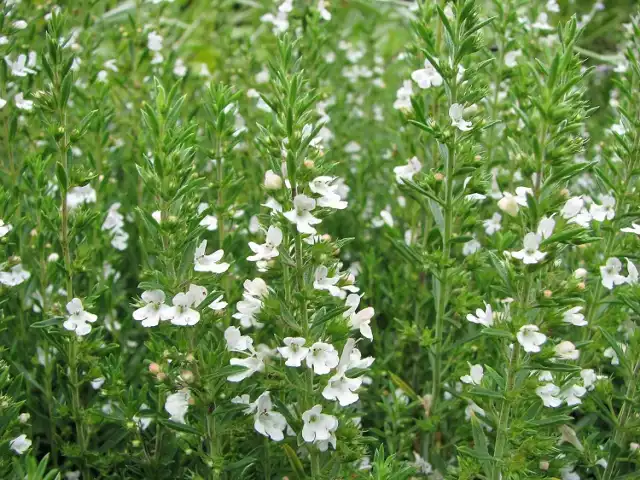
[295, 462]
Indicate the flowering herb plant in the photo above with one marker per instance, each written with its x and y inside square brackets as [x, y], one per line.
[325, 240]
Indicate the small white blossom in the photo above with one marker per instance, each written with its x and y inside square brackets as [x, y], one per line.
[21, 103]
[209, 263]
[572, 394]
[155, 309]
[15, 276]
[549, 393]
[530, 253]
[20, 444]
[322, 357]
[78, 320]
[475, 375]
[182, 313]
[482, 317]
[236, 342]
[530, 338]
[455, 113]
[269, 249]
[567, 351]
[301, 214]
[177, 405]
[610, 273]
[574, 317]
[317, 425]
[406, 172]
[267, 421]
[427, 76]
[611, 353]
[294, 351]
[493, 224]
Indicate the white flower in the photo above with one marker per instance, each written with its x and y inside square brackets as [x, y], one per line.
[483, 317]
[567, 473]
[3, 102]
[530, 253]
[340, 387]
[546, 226]
[20, 444]
[549, 395]
[294, 351]
[427, 76]
[511, 58]
[530, 338]
[361, 320]
[572, 394]
[322, 357]
[154, 42]
[574, 317]
[301, 214]
[611, 273]
[632, 278]
[236, 342]
[420, 463]
[268, 422]
[20, 24]
[511, 204]
[328, 191]
[210, 222]
[493, 224]
[317, 425]
[611, 353]
[471, 247]
[323, 282]
[567, 351]
[154, 310]
[19, 67]
[78, 320]
[177, 405]
[606, 211]
[251, 364]
[142, 422]
[179, 68]
[15, 276]
[572, 207]
[4, 228]
[635, 228]
[97, 383]
[455, 113]
[181, 312]
[269, 249]
[209, 263]
[322, 9]
[80, 195]
[475, 375]
[542, 22]
[218, 304]
[272, 181]
[21, 103]
[589, 378]
[403, 96]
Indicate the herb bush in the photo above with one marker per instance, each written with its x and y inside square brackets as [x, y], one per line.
[319, 239]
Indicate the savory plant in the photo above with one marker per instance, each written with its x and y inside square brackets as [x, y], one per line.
[327, 240]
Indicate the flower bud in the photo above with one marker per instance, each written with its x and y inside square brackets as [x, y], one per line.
[161, 376]
[509, 205]
[580, 273]
[272, 181]
[309, 163]
[154, 368]
[544, 465]
[190, 357]
[565, 193]
[187, 376]
[581, 286]
[547, 293]
[438, 177]
[24, 417]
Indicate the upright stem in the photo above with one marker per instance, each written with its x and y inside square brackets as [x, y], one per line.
[443, 280]
[505, 412]
[620, 434]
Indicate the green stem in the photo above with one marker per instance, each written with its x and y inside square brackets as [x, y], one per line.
[620, 435]
[76, 405]
[505, 413]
